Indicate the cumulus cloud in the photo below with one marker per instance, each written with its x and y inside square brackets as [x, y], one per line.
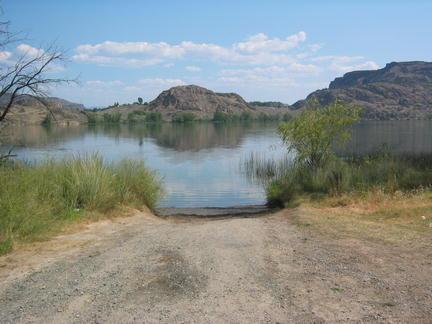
[27, 50]
[368, 65]
[103, 84]
[192, 68]
[345, 63]
[119, 61]
[261, 42]
[5, 55]
[161, 82]
[257, 49]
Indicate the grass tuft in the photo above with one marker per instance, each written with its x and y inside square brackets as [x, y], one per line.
[38, 200]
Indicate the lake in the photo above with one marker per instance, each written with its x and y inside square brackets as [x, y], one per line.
[200, 163]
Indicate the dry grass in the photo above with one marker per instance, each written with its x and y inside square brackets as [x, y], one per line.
[376, 215]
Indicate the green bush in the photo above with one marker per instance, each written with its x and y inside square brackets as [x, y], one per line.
[246, 116]
[36, 200]
[154, 117]
[112, 118]
[183, 117]
[91, 118]
[312, 133]
[219, 116]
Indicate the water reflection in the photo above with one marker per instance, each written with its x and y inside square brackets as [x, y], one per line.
[398, 137]
[200, 162]
[180, 137]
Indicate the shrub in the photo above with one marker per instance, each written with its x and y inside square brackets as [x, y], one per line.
[219, 116]
[112, 118]
[312, 133]
[246, 116]
[183, 117]
[154, 117]
[91, 118]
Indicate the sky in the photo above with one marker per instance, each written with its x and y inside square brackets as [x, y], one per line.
[263, 50]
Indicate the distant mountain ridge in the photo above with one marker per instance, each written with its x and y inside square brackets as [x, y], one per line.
[28, 110]
[400, 90]
[270, 104]
[26, 100]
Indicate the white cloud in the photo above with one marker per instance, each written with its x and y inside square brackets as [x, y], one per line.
[335, 58]
[120, 61]
[261, 42]
[315, 47]
[259, 49]
[103, 84]
[368, 65]
[161, 81]
[294, 68]
[119, 48]
[5, 55]
[192, 68]
[27, 50]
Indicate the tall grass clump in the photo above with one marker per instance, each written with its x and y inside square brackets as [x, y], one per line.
[286, 180]
[38, 200]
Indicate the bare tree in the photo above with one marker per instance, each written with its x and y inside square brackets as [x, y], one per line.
[27, 75]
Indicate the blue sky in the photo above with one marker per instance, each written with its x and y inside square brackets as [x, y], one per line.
[263, 50]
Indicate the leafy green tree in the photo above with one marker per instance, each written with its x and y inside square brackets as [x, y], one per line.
[312, 133]
[140, 100]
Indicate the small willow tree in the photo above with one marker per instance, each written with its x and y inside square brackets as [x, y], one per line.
[312, 133]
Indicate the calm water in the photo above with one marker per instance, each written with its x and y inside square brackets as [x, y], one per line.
[201, 163]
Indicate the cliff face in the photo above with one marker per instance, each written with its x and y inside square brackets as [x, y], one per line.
[198, 100]
[397, 91]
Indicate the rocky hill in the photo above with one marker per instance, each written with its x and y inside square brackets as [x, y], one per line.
[31, 111]
[198, 100]
[53, 102]
[397, 91]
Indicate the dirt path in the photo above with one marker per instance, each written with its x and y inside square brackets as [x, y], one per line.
[260, 269]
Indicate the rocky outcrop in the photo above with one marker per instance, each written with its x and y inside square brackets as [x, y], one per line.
[198, 100]
[397, 91]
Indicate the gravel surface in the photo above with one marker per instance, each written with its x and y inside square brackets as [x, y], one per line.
[146, 269]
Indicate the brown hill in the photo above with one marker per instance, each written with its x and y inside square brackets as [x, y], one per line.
[198, 100]
[30, 111]
[397, 91]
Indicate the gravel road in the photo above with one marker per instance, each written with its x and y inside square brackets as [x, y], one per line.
[146, 269]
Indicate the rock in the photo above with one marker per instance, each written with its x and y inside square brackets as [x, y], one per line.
[397, 91]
